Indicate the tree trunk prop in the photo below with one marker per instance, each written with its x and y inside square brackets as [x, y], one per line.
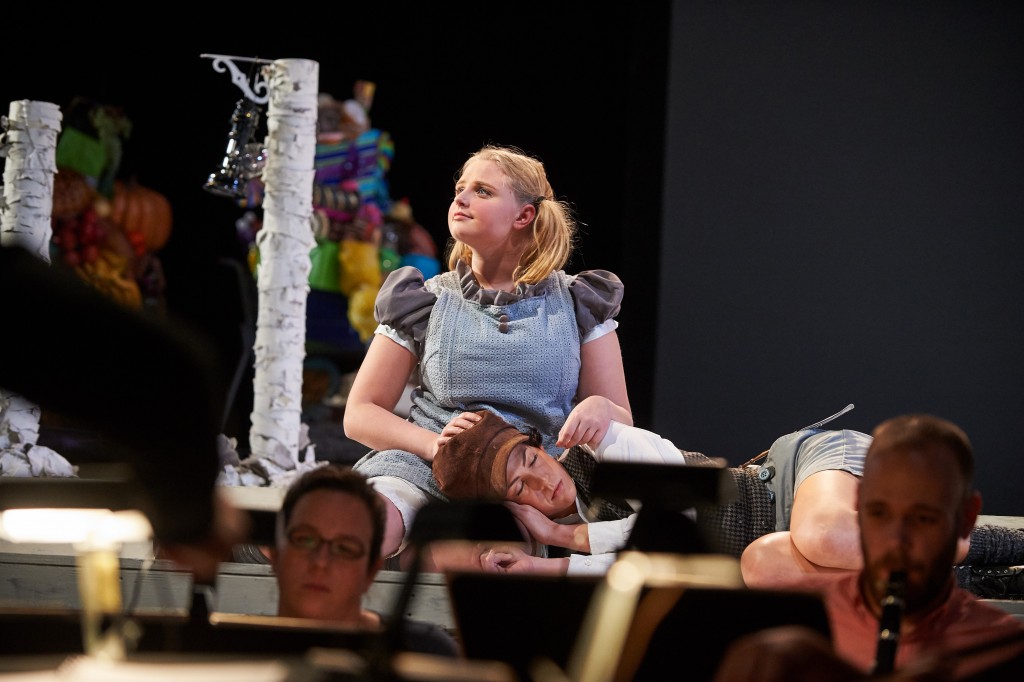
[29, 143]
[284, 243]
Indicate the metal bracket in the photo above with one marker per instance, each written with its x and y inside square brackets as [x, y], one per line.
[225, 62]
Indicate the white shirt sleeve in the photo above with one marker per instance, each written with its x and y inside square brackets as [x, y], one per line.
[621, 444]
[590, 564]
[632, 444]
[600, 330]
[610, 536]
[403, 340]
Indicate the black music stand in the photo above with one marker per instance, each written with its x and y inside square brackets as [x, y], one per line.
[475, 521]
[665, 491]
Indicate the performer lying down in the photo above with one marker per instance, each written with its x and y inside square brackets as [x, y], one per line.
[805, 502]
[489, 458]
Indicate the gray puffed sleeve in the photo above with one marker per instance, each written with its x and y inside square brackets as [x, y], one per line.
[404, 304]
[598, 297]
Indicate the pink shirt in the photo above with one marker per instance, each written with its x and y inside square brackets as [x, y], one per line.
[961, 621]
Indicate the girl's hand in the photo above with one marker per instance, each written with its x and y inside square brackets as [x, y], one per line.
[457, 425]
[588, 422]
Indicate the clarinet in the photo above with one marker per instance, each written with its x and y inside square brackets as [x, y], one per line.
[889, 624]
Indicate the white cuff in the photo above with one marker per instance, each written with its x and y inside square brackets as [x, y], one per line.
[590, 564]
[610, 536]
[398, 337]
[606, 327]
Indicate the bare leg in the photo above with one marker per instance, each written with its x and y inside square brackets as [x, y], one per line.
[394, 528]
[773, 562]
[963, 546]
[824, 520]
[823, 541]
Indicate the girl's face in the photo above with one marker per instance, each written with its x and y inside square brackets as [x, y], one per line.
[484, 213]
[535, 478]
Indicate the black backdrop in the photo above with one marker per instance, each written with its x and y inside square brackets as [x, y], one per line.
[843, 224]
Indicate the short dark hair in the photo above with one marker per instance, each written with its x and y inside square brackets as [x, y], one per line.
[341, 479]
[918, 431]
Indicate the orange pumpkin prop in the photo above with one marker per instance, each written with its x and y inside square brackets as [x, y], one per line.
[71, 193]
[136, 208]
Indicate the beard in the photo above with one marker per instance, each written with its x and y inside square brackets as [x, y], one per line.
[927, 582]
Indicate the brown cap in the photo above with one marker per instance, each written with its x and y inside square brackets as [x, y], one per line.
[472, 464]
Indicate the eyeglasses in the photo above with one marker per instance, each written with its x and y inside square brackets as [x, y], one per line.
[306, 540]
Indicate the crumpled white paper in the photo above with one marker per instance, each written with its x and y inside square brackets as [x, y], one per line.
[277, 469]
[35, 460]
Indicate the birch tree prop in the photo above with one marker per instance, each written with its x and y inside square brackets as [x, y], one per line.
[28, 138]
[284, 243]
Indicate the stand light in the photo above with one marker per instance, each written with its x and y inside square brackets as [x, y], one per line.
[96, 519]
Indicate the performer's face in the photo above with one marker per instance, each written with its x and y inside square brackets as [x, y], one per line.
[535, 478]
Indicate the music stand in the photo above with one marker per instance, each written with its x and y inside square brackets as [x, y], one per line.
[475, 521]
[517, 618]
[665, 491]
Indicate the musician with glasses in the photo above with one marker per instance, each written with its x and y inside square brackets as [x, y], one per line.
[328, 550]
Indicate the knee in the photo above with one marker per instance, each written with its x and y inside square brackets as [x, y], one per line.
[756, 562]
[394, 529]
[750, 567]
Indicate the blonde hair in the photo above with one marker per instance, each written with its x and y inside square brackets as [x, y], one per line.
[553, 228]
